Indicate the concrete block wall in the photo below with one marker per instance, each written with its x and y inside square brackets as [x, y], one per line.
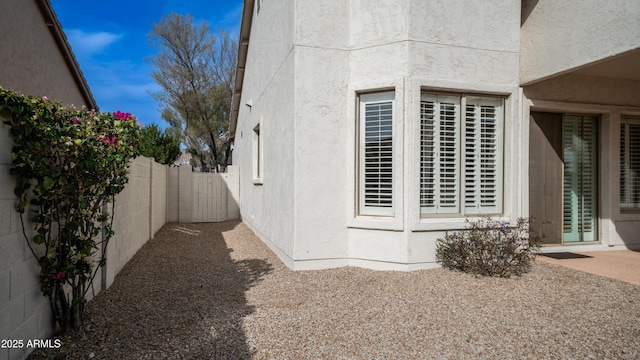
[24, 312]
[158, 196]
[202, 197]
[173, 184]
[131, 222]
[232, 180]
[185, 194]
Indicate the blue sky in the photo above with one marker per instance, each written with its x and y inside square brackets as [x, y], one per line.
[109, 39]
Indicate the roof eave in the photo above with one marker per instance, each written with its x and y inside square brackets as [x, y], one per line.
[51, 20]
[243, 48]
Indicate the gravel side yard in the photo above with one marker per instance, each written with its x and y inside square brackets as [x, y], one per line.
[215, 291]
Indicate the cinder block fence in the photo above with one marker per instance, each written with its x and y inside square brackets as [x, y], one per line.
[156, 194]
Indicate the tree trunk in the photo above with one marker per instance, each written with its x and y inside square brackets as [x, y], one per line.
[60, 308]
[214, 151]
[77, 307]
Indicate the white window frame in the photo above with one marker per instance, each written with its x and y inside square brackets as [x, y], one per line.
[383, 203]
[629, 180]
[258, 157]
[448, 123]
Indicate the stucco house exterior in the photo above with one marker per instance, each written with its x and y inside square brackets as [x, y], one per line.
[366, 130]
[35, 59]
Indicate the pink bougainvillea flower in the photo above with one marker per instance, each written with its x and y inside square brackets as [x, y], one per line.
[75, 121]
[58, 276]
[122, 115]
[110, 141]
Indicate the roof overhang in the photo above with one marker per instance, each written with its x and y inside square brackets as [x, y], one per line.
[243, 48]
[51, 20]
[624, 66]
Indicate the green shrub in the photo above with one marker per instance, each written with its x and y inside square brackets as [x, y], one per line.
[490, 247]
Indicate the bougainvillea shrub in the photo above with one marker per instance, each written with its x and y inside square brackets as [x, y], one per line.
[69, 164]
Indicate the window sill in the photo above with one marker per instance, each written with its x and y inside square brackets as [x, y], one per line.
[452, 222]
[375, 222]
[628, 215]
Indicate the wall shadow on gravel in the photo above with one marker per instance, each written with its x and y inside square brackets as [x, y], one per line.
[181, 296]
[224, 301]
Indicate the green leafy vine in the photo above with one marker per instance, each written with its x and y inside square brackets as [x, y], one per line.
[69, 163]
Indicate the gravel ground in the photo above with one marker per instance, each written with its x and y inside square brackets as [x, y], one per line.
[214, 291]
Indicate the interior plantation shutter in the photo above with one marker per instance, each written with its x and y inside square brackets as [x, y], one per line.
[439, 154]
[630, 163]
[376, 154]
[483, 155]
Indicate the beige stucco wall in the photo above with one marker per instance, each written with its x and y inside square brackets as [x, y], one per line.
[558, 36]
[321, 79]
[456, 46]
[268, 99]
[305, 207]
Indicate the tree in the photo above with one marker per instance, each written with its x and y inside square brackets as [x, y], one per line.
[195, 70]
[162, 145]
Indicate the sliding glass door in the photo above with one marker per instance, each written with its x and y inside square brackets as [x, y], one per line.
[563, 176]
[580, 179]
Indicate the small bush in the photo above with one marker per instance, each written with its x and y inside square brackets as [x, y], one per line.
[490, 247]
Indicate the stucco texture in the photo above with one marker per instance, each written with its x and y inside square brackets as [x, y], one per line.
[558, 36]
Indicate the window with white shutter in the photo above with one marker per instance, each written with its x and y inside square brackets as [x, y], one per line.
[440, 154]
[460, 154]
[483, 156]
[630, 163]
[376, 154]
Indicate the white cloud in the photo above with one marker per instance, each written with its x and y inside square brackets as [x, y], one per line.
[87, 44]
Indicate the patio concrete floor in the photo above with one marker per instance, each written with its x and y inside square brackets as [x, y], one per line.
[623, 265]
